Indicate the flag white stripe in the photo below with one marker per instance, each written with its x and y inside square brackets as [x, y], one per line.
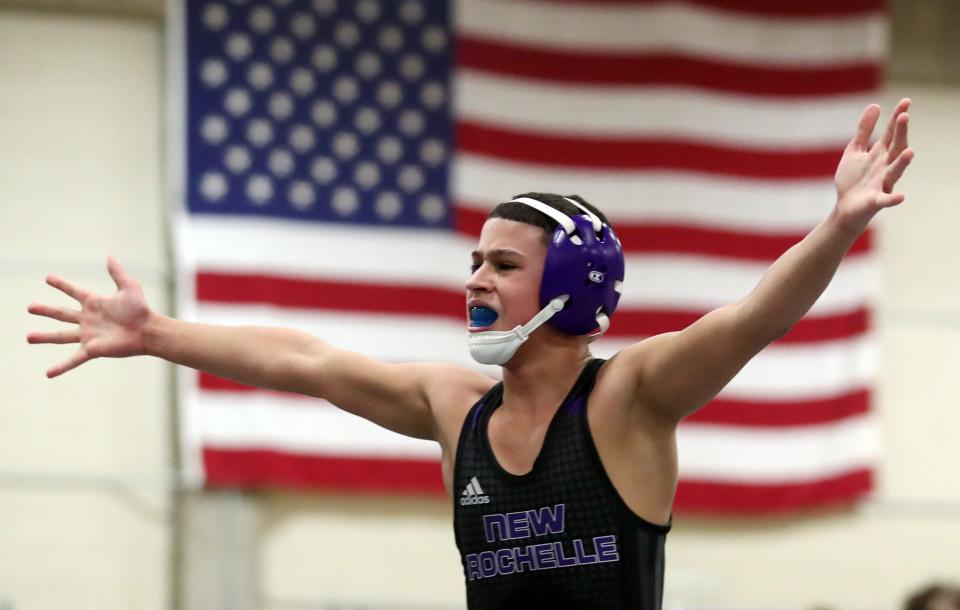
[794, 371]
[701, 283]
[780, 372]
[678, 28]
[438, 259]
[785, 455]
[715, 452]
[657, 112]
[389, 255]
[251, 419]
[652, 196]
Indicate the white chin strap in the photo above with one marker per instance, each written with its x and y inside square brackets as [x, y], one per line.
[499, 346]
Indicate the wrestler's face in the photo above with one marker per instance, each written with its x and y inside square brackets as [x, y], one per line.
[504, 290]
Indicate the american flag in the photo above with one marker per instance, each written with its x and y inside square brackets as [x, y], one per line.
[335, 161]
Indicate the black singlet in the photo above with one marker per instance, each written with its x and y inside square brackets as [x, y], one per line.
[558, 537]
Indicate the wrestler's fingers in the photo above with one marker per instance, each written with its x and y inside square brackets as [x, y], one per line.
[78, 358]
[117, 272]
[59, 337]
[899, 143]
[888, 200]
[899, 109]
[57, 313]
[67, 287]
[868, 121]
[896, 169]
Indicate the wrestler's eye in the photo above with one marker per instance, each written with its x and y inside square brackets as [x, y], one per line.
[474, 267]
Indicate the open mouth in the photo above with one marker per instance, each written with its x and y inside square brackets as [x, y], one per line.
[482, 316]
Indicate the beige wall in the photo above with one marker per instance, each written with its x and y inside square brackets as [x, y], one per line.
[86, 517]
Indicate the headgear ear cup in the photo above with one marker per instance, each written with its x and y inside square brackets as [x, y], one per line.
[590, 272]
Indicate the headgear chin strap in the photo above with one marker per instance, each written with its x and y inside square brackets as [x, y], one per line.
[499, 346]
[580, 287]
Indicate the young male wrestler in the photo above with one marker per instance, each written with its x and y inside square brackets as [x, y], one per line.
[563, 474]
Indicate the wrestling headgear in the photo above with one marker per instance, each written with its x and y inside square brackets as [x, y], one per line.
[579, 289]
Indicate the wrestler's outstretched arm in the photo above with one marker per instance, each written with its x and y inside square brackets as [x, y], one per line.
[674, 374]
[395, 396]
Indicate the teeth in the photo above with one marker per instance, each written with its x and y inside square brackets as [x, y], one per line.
[481, 316]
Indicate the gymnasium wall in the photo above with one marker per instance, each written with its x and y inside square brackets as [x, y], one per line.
[84, 459]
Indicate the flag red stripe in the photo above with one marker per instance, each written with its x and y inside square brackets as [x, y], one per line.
[416, 300]
[659, 69]
[707, 496]
[810, 329]
[749, 413]
[644, 154]
[811, 8]
[265, 468]
[672, 238]
[330, 294]
[783, 413]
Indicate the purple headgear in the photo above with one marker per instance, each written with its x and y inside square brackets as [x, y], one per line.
[584, 262]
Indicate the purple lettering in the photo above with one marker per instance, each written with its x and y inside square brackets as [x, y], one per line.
[606, 548]
[562, 560]
[582, 557]
[488, 564]
[547, 520]
[524, 557]
[506, 562]
[546, 560]
[473, 566]
[517, 525]
[494, 527]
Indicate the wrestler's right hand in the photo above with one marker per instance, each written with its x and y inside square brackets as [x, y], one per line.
[105, 327]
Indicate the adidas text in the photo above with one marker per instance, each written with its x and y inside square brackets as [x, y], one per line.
[473, 494]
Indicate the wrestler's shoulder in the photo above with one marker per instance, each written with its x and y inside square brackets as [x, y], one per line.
[452, 390]
[451, 385]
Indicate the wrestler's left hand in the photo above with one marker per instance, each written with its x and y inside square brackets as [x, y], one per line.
[866, 175]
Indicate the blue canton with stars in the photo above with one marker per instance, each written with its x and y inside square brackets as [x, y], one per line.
[326, 110]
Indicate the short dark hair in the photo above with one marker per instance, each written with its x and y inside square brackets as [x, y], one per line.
[521, 212]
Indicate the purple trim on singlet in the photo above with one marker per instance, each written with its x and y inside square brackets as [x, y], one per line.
[475, 418]
[577, 405]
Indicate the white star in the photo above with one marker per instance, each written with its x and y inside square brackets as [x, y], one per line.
[431, 208]
[281, 49]
[238, 46]
[214, 129]
[367, 174]
[410, 178]
[262, 20]
[215, 16]
[280, 105]
[259, 188]
[280, 162]
[213, 72]
[323, 113]
[237, 159]
[237, 101]
[323, 170]
[213, 186]
[345, 200]
[388, 205]
[301, 194]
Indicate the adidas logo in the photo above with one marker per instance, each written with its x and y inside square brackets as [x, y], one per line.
[473, 494]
